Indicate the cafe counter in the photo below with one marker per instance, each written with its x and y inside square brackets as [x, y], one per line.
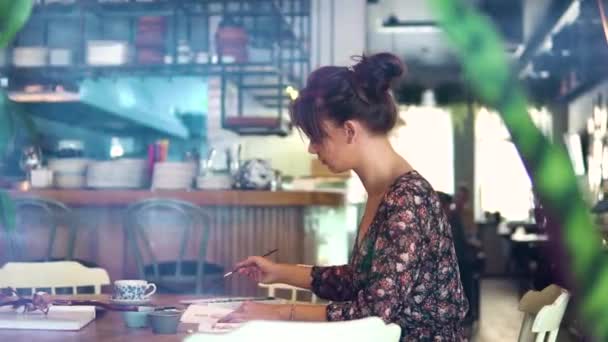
[114, 198]
[307, 227]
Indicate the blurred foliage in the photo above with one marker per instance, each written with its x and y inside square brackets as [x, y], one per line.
[482, 55]
[13, 16]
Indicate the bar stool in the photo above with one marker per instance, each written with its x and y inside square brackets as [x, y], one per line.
[169, 241]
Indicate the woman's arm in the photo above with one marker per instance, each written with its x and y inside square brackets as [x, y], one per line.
[283, 312]
[332, 282]
[295, 275]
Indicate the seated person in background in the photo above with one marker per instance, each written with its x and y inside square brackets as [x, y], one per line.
[464, 252]
[458, 233]
[403, 267]
[462, 205]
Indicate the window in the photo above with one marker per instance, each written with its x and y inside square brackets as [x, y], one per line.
[502, 183]
[426, 142]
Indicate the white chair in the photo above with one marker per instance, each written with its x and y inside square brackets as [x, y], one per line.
[361, 330]
[293, 290]
[53, 275]
[543, 313]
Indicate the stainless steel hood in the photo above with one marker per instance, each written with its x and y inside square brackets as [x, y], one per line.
[123, 106]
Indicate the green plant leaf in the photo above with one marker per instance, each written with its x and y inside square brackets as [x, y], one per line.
[7, 211]
[6, 124]
[13, 15]
[485, 66]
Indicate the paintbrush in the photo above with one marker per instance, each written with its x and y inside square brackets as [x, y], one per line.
[238, 268]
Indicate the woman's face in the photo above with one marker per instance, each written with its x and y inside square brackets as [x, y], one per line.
[337, 150]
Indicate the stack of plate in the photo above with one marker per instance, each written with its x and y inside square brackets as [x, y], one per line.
[221, 181]
[121, 173]
[30, 56]
[107, 52]
[173, 175]
[69, 173]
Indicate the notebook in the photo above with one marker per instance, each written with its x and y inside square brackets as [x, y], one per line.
[58, 318]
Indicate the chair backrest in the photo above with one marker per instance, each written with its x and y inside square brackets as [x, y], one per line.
[43, 230]
[367, 329]
[543, 313]
[52, 275]
[154, 228]
[292, 290]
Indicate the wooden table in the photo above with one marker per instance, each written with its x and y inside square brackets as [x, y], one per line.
[108, 326]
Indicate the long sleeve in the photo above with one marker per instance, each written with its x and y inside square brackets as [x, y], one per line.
[406, 271]
[395, 268]
[333, 282]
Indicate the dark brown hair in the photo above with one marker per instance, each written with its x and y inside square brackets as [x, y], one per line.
[360, 92]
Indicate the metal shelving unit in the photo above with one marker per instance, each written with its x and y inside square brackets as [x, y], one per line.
[279, 46]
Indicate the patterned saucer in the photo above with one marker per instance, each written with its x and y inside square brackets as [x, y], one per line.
[129, 301]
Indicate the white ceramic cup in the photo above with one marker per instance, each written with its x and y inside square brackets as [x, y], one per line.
[133, 290]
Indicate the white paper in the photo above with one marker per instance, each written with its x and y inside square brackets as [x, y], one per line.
[203, 313]
[58, 318]
[207, 317]
[218, 300]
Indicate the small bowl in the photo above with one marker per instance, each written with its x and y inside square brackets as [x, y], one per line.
[137, 319]
[165, 322]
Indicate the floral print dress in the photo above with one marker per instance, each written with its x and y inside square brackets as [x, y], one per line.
[404, 270]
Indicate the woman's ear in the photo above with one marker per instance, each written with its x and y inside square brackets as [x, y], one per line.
[351, 129]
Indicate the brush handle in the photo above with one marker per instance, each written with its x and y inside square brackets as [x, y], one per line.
[238, 268]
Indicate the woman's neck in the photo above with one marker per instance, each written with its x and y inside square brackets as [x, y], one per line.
[380, 166]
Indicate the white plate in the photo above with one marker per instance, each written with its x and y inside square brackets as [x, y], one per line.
[130, 301]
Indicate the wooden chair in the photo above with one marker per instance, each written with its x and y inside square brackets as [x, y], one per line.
[361, 330]
[44, 231]
[543, 313]
[54, 277]
[292, 290]
[169, 241]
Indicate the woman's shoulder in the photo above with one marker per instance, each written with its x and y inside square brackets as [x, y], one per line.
[410, 188]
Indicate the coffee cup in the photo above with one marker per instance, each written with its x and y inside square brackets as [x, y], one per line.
[137, 319]
[165, 322]
[132, 290]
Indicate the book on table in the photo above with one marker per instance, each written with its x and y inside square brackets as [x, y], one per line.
[58, 318]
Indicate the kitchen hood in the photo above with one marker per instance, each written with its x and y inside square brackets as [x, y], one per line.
[122, 106]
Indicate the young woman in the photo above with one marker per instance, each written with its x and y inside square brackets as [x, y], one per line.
[403, 267]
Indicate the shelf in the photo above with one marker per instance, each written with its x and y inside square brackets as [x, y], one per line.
[168, 70]
[188, 8]
[121, 198]
[278, 32]
[245, 125]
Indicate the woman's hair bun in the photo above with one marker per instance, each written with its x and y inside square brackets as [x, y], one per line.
[375, 74]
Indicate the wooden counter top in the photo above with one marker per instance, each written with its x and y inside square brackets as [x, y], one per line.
[108, 198]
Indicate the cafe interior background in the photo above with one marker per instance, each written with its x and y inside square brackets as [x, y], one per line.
[117, 112]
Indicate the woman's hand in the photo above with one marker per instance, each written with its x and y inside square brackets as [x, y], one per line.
[256, 311]
[259, 269]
